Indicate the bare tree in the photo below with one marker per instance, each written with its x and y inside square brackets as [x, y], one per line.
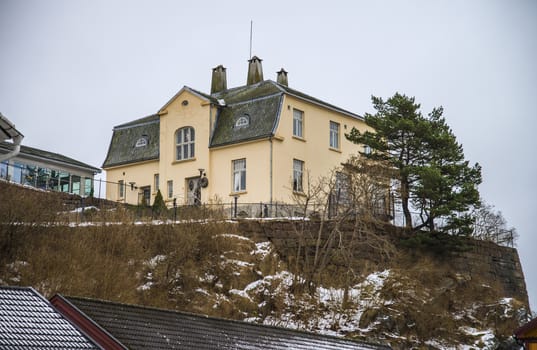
[352, 209]
[490, 225]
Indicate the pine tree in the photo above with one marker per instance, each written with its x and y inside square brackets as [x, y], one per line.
[433, 176]
[159, 206]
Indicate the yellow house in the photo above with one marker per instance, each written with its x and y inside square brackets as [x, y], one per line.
[526, 335]
[255, 143]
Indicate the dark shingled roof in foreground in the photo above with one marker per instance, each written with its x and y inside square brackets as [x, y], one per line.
[28, 321]
[138, 327]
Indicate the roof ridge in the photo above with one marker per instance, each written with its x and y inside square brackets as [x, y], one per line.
[254, 99]
[218, 94]
[299, 94]
[139, 121]
[220, 319]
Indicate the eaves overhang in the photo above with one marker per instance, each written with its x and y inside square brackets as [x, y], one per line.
[127, 163]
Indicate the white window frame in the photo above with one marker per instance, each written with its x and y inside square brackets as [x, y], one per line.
[334, 135]
[298, 123]
[169, 188]
[239, 175]
[156, 182]
[185, 139]
[243, 121]
[141, 142]
[298, 175]
[121, 189]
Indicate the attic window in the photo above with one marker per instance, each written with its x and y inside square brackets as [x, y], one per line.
[243, 121]
[141, 142]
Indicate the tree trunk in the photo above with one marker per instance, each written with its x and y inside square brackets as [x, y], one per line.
[404, 200]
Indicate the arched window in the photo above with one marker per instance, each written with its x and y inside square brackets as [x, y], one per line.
[141, 142]
[243, 121]
[184, 143]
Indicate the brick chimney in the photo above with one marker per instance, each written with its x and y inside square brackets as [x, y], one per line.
[255, 71]
[281, 77]
[219, 81]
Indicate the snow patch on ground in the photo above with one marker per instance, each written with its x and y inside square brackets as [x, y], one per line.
[262, 249]
[485, 338]
[230, 235]
[83, 209]
[151, 265]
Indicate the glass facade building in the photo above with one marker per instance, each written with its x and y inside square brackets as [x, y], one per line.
[47, 171]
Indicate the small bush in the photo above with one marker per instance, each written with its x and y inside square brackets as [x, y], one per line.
[434, 242]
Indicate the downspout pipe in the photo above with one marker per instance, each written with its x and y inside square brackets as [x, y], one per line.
[271, 174]
[17, 140]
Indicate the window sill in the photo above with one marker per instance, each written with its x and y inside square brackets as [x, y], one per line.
[299, 138]
[239, 193]
[335, 149]
[184, 160]
[299, 193]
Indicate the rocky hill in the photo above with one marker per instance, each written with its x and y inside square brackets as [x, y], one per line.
[408, 290]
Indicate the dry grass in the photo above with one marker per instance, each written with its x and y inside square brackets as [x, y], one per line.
[191, 267]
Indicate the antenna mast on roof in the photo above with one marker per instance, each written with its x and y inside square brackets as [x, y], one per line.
[251, 26]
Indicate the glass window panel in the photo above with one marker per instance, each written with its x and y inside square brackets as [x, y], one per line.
[156, 184]
[185, 143]
[334, 135]
[239, 175]
[17, 173]
[88, 185]
[298, 117]
[298, 170]
[121, 188]
[170, 188]
[64, 182]
[53, 182]
[3, 170]
[43, 175]
[75, 184]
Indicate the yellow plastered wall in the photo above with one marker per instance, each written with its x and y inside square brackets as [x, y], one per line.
[313, 148]
[142, 174]
[186, 109]
[257, 156]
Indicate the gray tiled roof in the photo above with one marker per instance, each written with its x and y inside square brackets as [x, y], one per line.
[261, 103]
[123, 150]
[261, 112]
[28, 321]
[138, 327]
[314, 100]
[38, 154]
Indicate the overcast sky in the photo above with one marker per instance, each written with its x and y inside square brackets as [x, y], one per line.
[72, 70]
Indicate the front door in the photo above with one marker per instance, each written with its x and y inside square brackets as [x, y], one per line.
[193, 191]
[145, 196]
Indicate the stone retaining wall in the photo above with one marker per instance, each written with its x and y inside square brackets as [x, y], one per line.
[480, 260]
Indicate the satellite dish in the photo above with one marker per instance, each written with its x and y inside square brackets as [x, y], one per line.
[204, 182]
